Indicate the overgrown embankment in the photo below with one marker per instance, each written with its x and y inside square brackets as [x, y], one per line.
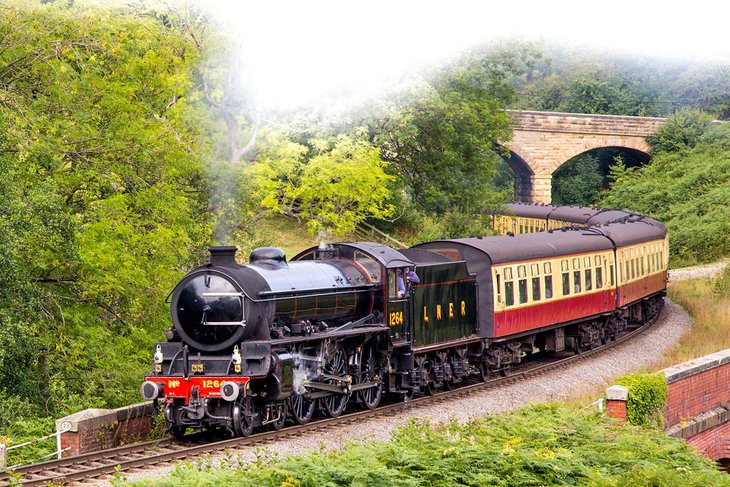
[708, 302]
[538, 445]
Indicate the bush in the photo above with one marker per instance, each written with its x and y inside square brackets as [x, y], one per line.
[546, 444]
[647, 398]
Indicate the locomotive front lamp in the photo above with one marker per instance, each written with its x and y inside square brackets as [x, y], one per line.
[158, 355]
[236, 359]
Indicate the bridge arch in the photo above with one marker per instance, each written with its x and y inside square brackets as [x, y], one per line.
[544, 141]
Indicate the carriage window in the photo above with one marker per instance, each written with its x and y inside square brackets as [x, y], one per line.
[499, 290]
[587, 261]
[576, 281]
[576, 263]
[597, 260]
[610, 275]
[548, 287]
[371, 265]
[521, 271]
[547, 267]
[633, 268]
[566, 283]
[535, 269]
[589, 280]
[508, 274]
[523, 290]
[564, 265]
[599, 277]
[535, 288]
[628, 273]
[641, 264]
[509, 293]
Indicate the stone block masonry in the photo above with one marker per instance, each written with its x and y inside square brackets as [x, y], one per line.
[542, 141]
[99, 429]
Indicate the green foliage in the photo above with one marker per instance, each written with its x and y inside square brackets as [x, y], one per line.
[577, 182]
[647, 398]
[683, 130]
[441, 137]
[103, 208]
[689, 191]
[584, 81]
[332, 185]
[722, 284]
[537, 445]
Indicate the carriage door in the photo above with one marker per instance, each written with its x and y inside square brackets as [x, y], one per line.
[397, 306]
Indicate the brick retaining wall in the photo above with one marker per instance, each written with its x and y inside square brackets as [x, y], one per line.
[698, 404]
[98, 429]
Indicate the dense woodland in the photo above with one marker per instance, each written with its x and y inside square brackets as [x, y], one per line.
[129, 143]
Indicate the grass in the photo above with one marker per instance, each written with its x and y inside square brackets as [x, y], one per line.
[708, 302]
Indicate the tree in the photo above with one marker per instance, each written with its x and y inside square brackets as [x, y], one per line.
[681, 131]
[103, 206]
[441, 137]
[332, 185]
[578, 181]
[688, 189]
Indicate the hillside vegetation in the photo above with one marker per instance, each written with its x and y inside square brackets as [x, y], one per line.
[686, 186]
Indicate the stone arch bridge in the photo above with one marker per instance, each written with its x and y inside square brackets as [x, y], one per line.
[543, 141]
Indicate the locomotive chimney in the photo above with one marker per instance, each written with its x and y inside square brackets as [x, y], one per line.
[224, 256]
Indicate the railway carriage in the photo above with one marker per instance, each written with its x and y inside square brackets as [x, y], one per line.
[279, 340]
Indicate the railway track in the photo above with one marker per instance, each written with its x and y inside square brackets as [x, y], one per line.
[94, 467]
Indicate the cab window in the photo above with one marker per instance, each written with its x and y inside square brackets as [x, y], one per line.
[396, 283]
[370, 265]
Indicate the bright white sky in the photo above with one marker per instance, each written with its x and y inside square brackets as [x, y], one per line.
[300, 50]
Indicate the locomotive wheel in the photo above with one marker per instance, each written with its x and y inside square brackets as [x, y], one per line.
[301, 408]
[483, 372]
[370, 397]
[277, 424]
[335, 404]
[178, 431]
[242, 417]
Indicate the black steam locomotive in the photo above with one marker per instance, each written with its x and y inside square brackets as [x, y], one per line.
[258, 344]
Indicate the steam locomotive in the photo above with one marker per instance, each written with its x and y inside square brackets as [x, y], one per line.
[278, 340]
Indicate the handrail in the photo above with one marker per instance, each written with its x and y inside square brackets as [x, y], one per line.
[599, 402]
[383, 235]
[59, 451]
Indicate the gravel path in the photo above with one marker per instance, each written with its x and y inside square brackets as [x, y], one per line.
[697, 272]
[646, 351]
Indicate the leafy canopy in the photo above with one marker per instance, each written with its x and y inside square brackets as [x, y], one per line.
[441, 136]
[331, 184]
[688, 189]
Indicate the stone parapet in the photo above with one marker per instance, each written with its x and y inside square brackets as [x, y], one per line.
[98, 429]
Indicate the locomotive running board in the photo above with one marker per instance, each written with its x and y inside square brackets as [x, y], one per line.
[327, 334]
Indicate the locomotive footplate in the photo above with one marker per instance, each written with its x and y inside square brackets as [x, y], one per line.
[181, 387]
